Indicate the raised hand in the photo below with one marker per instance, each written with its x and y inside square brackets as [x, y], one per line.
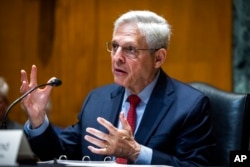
[34, 104]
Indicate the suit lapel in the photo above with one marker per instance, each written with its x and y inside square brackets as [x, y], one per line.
[111, 109]
[156, 109]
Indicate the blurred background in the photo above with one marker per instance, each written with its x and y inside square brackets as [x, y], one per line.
[66, 39]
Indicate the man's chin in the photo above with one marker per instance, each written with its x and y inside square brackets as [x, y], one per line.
[119, 82]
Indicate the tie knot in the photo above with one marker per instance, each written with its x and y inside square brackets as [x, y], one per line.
[134, 100]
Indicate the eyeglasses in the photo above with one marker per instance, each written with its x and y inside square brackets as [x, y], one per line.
[127, 50]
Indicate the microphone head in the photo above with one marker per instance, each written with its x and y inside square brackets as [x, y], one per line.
[55, 82]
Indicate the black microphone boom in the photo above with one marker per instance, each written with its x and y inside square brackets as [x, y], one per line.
[53, 82]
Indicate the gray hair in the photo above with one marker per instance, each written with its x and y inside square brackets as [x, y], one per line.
[4, 88]
[155, 28]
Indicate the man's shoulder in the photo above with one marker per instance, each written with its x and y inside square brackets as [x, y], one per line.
[185, 89]
[174, 85]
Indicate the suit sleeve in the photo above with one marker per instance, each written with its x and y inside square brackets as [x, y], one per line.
[50, 145]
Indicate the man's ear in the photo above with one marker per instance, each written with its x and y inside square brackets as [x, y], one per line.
[160, 57]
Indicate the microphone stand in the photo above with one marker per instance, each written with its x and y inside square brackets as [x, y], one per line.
[54, 82]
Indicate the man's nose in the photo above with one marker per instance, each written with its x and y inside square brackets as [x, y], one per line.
[119, 52]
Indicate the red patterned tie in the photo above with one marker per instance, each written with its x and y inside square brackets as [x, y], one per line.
[134, 100]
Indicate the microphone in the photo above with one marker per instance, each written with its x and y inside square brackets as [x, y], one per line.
[54, 82]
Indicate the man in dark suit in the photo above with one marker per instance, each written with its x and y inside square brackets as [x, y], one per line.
[172, 124]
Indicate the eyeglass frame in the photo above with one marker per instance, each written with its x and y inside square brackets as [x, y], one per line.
[129, 51]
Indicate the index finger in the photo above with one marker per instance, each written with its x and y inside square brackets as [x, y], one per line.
[24, 82]
[24, 76]
[107, 125]
[33, 76]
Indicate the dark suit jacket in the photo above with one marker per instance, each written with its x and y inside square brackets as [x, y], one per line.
[175, 124]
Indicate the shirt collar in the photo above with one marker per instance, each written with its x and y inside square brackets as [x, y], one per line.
[144, 95]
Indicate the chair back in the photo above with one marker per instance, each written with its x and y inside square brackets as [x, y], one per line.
[230, 119]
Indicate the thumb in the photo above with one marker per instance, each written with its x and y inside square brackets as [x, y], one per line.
[48, 88]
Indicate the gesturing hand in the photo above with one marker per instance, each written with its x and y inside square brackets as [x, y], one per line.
[118, 143]
[34, 104]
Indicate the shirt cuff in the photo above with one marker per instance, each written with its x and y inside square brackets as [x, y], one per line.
[145, 156]
[31, 133]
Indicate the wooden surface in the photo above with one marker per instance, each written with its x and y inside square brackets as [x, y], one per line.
[66, 39]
